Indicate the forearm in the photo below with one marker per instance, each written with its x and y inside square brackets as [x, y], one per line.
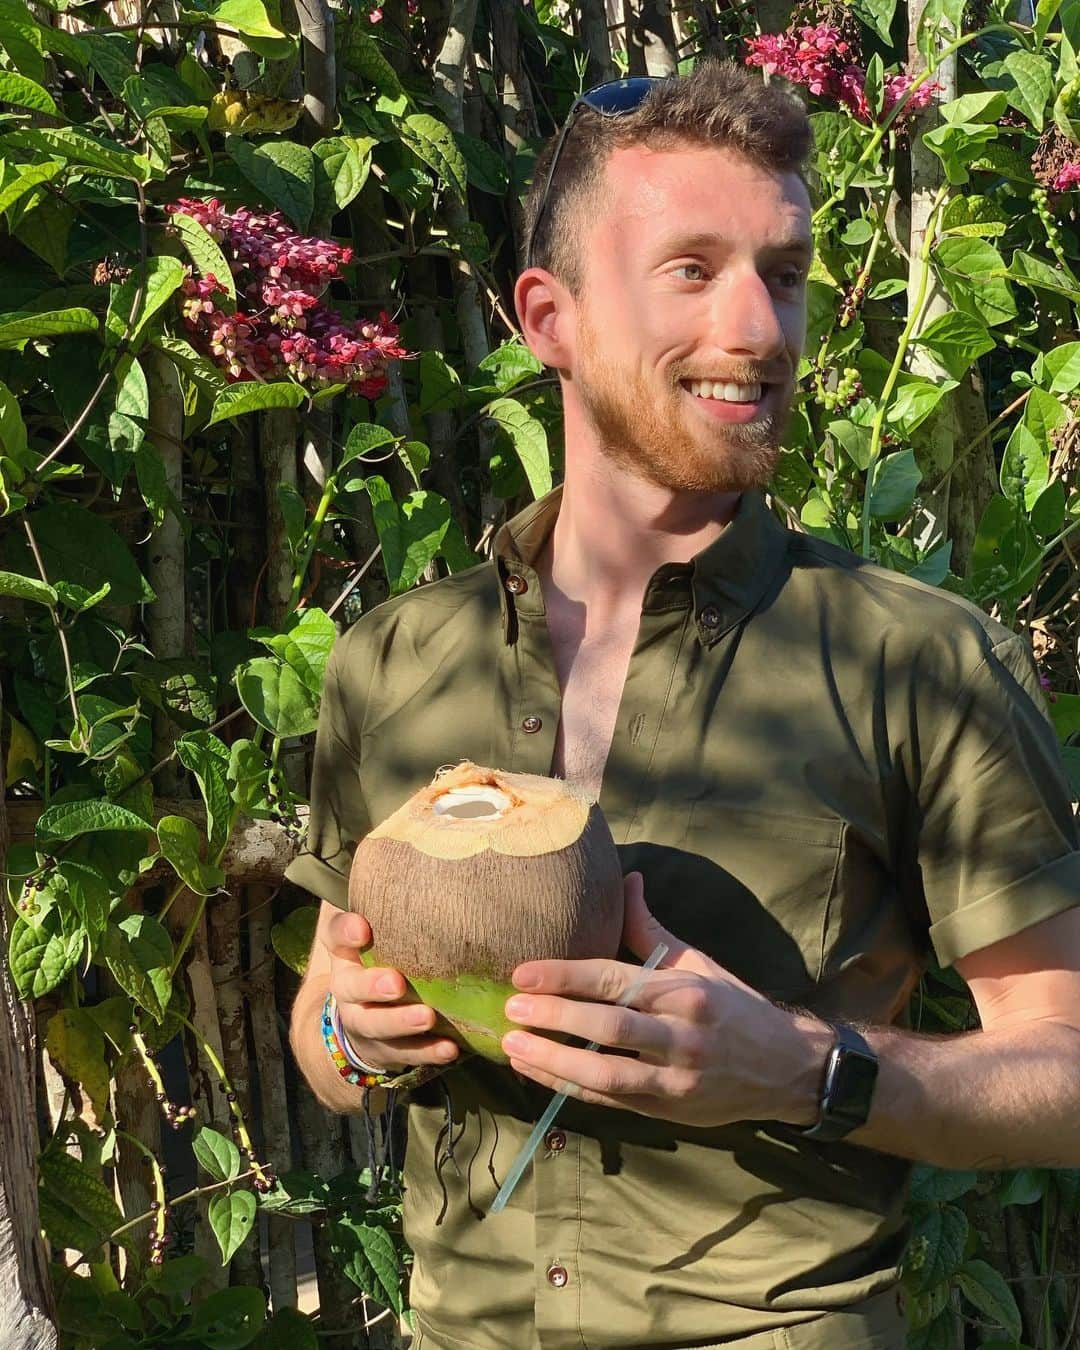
[305, 1036]
[985, 1100]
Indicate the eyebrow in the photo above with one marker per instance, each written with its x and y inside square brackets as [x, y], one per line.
[683, 243]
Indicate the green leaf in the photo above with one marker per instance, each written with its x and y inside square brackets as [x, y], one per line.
[972, 272]
[440, 384]
[76, 1046]
[940, 1234]
[276, 697]
[207, 757]
[247, 775]
[529, 440]
[24, 93]
[80, 148]
[914, 403]
[69, 1183]
[204, 251]
[305, 645]
[855, 440]
[81, 548]
[1034, 77]
[18, 327]
[957, 340]
[229, 1319]
[250, 396]
[42, 955]
[896, 481]
[282, 171]
[1004, 550]
[1044, 17]
[1025, 467]
[485, 167]
[132, 306]
[363, 56]
[935, 1185]
[26, 588]
[1036, 274]
[180, 842]
[1025, 1186]
[29, 177]
[411, 533]
[292, 938]
[290, 1329]
[139, 953]
[1067, 110]
[984, 106]
[982, 1285]
[878, 15]
[232, 1215]
[1062, 365]
[510, 364]
[216, 1154]
[363, 437]
[68, 820]
[45, 231]
[345, 162]
[433, 142]
[1065, 714]
[366, 1254]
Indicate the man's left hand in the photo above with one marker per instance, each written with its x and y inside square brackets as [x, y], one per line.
[698, 1046]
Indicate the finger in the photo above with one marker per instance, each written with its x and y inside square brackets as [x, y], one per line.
[609, 1076]
[641, 932]
[345, 935]
[373, 1022]
[368, 984]
[645, 1105]
[398, 1054]
[619, 1028]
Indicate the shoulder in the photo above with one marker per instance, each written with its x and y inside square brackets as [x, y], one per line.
[883, 610]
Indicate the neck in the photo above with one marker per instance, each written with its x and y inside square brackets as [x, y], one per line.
[614, 530]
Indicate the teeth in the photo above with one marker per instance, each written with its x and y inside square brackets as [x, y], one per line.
[729, 393]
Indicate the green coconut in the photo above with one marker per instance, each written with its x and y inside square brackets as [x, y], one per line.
[474, 874]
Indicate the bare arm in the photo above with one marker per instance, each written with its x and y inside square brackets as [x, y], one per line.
[385, 1030]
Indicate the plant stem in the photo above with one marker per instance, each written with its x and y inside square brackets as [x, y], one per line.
[58, 626]
[914, 315]
[312, 538]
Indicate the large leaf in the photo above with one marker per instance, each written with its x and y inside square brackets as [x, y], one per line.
[957, 340]
[132, 306]
[915, 401]
[410, 532]
[29, 177]
[305, 645]
[529, 440]
[204, 251]
[230, 1319]
[290, 1329]
[366, 1253]
[42, 955]
[283, 172]
[1062, 365]
[434, 143]
[292, 938]
[250, 396]
[972, 271]
[68, 820]
[276, 697]
[896, 480]
[1034, 77]
[70, 1184]
[24, 93]
[81, 548]
[876, 14]
[180, 842]
[81, 148]
[232, 1216]
[986, 1288]
[76, 1045]
[207, 757]
[363, 437]
[19, 327]
[27, 588]
[139, 953]
[936, 1249]
[216, 1154]
[344, 163]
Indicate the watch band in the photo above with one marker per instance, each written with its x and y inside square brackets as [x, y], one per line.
[847, 1087]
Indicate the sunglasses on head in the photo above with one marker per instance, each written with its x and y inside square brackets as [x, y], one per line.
[610, 99]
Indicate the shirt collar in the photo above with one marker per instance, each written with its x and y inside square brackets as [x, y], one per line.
[724, 582]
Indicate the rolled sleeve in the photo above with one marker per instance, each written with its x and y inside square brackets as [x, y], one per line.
[339, 816]
[997, 840]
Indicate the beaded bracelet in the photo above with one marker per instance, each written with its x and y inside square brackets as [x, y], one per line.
[367, 1077]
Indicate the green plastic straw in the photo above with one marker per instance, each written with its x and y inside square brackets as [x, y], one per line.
[542, 1126]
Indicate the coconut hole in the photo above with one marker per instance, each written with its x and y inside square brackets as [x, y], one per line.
[471, 803]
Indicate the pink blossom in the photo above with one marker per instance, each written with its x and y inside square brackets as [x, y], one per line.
[281, 329]
[1067, 178]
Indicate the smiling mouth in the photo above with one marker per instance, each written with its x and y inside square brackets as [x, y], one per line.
[723, 391]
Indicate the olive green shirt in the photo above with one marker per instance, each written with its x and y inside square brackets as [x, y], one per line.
[825, 772]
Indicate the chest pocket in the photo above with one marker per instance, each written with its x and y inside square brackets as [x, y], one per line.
[752, 889]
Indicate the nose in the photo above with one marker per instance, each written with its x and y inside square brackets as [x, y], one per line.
[745, 321]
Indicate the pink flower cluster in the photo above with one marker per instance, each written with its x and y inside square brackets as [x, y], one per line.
[375, 15]
[819, 58]
[281, 329]
[1068, 178]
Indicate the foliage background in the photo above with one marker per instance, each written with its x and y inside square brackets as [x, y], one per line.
[178, 550]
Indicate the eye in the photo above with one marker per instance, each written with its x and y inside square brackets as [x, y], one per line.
[692, 267]
[791, 277]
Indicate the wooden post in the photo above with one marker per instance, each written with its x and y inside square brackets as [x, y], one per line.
[26, 1308]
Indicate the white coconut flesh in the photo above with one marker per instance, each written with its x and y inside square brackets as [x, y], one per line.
[471, 803]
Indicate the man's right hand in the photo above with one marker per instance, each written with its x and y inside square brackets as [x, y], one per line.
[387, 1030]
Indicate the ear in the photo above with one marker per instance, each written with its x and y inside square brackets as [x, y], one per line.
[548, 317]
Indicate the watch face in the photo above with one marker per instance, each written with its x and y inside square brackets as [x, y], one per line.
[852, 1085]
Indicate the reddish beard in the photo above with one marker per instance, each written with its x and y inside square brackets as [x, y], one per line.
[656, 440]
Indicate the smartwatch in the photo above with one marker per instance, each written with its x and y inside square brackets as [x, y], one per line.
[847, 1087]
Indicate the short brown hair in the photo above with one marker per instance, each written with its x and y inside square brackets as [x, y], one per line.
[718, 104]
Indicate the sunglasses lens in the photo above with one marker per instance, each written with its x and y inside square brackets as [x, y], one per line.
[619, 96]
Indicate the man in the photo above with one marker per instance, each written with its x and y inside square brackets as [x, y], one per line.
[817, 772]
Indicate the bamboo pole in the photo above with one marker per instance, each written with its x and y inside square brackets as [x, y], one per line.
[26, 1309]
[273, 1102]
[278, 436]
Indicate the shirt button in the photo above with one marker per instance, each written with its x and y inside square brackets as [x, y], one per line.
[710, 617]
[516, 585]
[531, 724]
[555, 1141]
[557, 1276]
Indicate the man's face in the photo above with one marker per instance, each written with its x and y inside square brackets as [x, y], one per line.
[695, 272]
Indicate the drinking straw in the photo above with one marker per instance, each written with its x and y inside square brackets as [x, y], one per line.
[542, 1126]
